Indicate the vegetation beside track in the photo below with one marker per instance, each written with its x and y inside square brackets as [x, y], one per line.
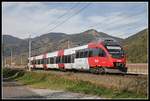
[54, 81]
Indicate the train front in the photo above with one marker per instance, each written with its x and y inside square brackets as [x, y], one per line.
[116, 55]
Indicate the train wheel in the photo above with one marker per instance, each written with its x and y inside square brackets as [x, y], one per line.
[92, 70]
[45, 68]
[63, 69]
[101, 70]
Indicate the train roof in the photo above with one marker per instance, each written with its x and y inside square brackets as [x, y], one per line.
[108, 41]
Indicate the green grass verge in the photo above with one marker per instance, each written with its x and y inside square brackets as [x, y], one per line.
[53, 81]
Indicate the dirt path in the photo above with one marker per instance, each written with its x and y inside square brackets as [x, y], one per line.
[12, 89]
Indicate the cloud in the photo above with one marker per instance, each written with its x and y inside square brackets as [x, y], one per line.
[22, 19]
[119, 24]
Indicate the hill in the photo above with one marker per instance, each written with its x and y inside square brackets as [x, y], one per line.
[136, 47]
[51, 42]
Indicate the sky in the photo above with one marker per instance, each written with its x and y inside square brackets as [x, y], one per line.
[119, 19]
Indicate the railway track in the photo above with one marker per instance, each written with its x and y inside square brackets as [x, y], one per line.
[84, 72]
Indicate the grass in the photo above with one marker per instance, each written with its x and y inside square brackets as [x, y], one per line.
[53, 81]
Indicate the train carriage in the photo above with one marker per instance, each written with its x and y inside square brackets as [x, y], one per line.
[99, 57]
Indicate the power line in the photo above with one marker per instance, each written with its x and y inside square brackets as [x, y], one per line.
[69, 17]
[107, 19]
[130, 16]
[55, 21]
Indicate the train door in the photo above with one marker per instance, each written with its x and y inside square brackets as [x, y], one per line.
[45, 61]
[72, 60]
[81, 60]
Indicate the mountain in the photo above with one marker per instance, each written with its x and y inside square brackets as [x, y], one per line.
[10, 39]
[49, 42]
[136, 47]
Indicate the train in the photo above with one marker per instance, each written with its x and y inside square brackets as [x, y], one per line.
[102, 56]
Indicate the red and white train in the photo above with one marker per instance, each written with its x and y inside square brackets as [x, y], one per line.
[99, 57]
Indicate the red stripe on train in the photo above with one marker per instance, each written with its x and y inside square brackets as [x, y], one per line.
[61, 53]
[91, 60]
[44, 64]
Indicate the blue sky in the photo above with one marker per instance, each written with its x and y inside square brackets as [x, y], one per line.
[36, 18]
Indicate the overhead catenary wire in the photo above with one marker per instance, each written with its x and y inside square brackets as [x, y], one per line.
[120, 20]
[59, 17]
[55, 21]
[69, 17]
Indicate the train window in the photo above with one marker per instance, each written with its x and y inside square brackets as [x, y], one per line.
[36, 61]
[39, 61]
[48, 59]
[85, 54]
[54, 60]
[90, 53]
[42, 61]
[69, 59]
[51, 60]
[77, 54]
[62, 59]
[58, 59]
[45, 61]
[65, 59]
[95, 52]
[81, 54]
[72, 58]
[102, 53]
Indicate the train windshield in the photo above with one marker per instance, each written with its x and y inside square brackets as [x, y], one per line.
[115, 51]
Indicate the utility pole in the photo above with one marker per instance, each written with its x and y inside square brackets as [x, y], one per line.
[68, 43]
[29, 53]
[4, 62]
[11, 58]
[21, 60]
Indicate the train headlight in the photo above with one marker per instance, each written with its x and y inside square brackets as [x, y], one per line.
[118, 60]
